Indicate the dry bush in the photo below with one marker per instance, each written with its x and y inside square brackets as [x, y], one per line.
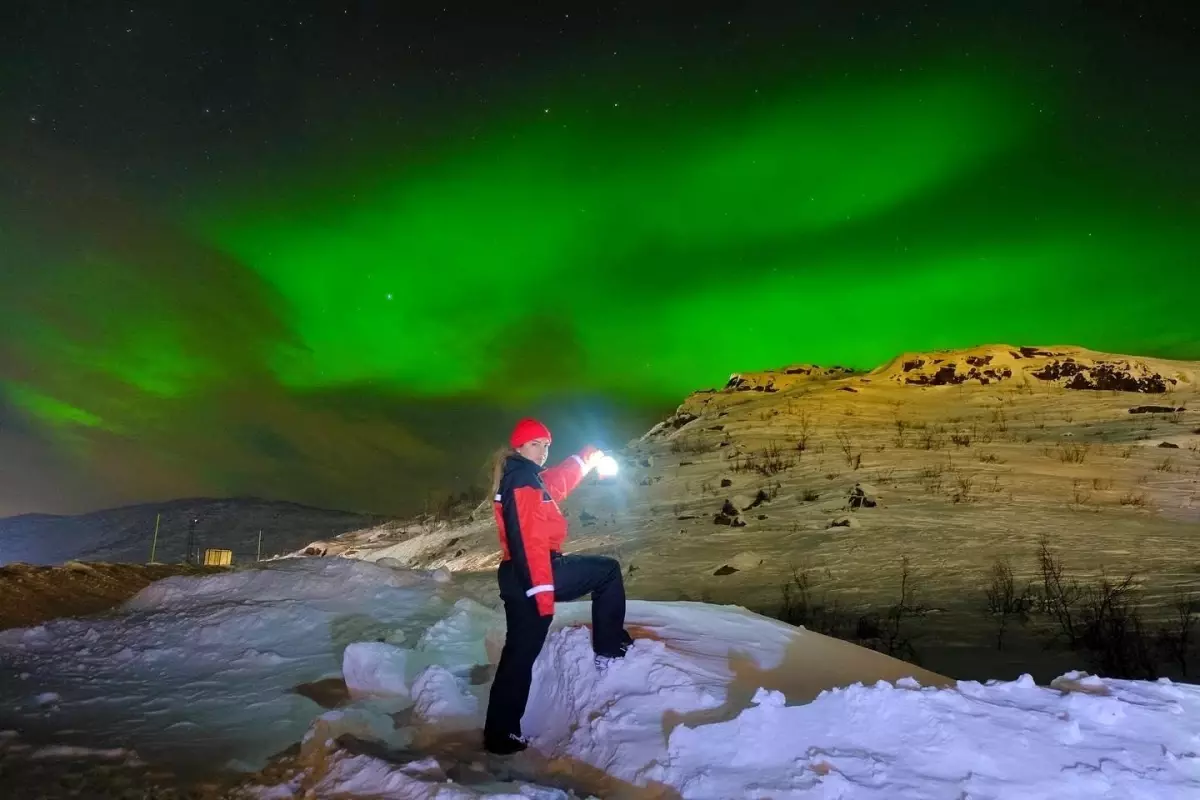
[963, 484]
[1004, 602]
[894, 638]
[852, 455]
[1176, 638]
[800, 607]
[1073, 452]
[691, 445]
[1131, 499]
[810, 495]
[961, 439]
[1060, 595]
[768, 461]
[990, 458]
[1166, 465]
[1103, 620]
[1101, 484]
[931, 478]
[931, 439]
[1079, 495]
[805, 424]
[1113, 632]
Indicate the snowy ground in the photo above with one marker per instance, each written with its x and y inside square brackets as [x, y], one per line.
[713, 702]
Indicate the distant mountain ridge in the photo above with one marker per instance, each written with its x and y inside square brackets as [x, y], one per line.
[127, 533]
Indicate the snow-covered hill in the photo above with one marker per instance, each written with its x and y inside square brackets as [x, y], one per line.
[712, 702]
[904, 486]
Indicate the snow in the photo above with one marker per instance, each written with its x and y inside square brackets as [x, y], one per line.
[374, 668]
[711, 702]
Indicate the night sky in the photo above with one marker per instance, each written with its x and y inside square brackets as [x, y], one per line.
[328, 252]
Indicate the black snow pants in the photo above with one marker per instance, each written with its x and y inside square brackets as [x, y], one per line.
[574, 577]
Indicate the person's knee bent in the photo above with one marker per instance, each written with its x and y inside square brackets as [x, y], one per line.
[612, 569]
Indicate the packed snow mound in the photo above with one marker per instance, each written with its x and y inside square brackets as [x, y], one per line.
[710, 702]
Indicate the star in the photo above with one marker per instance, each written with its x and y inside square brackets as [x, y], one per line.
[389, 297]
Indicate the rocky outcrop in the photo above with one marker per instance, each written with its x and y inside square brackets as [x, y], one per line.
[776, 380]
[1070, 368]
[1101, 376]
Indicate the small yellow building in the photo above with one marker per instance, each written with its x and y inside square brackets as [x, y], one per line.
[218, 558]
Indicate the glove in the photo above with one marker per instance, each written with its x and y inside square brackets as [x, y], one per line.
[591, 457]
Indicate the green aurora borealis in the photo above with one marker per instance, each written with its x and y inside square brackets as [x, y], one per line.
[356, 327]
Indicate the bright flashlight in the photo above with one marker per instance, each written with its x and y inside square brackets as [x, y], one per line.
[607, 467]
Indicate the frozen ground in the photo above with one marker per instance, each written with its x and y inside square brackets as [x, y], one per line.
[202, 672]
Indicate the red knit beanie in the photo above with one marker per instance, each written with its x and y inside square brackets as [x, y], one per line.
[526, 431]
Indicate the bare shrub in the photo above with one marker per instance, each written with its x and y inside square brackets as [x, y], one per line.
[800, 607]
[692, 445]
[931, 439]
[931, 478]
[1101, 484]
[894, 636]
[1166, 465]
[1175, 639]
[853, 456]
[961, 439]
[805, 423]
[1113, 632]
[767, 462]
[1060, 595]
[810, 495]
[989, 458]
[773, 460]
[1131, 499]
[1004, 602]
[901, 429]
[963, 484]
[1073, 452]
[1079, 495]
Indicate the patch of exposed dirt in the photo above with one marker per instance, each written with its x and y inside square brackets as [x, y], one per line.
[31, 594]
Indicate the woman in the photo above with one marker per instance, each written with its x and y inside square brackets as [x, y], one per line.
[533, 573]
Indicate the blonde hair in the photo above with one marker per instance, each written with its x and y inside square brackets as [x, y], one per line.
[498, 459]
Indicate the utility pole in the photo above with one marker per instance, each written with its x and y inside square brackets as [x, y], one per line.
[259, 556]
[154, 543]
[191, 540]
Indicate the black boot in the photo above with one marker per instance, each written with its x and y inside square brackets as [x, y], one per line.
[504, 745]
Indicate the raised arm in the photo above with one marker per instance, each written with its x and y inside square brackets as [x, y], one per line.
[561, 479]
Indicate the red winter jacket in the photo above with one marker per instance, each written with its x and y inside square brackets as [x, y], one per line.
[530, 522]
